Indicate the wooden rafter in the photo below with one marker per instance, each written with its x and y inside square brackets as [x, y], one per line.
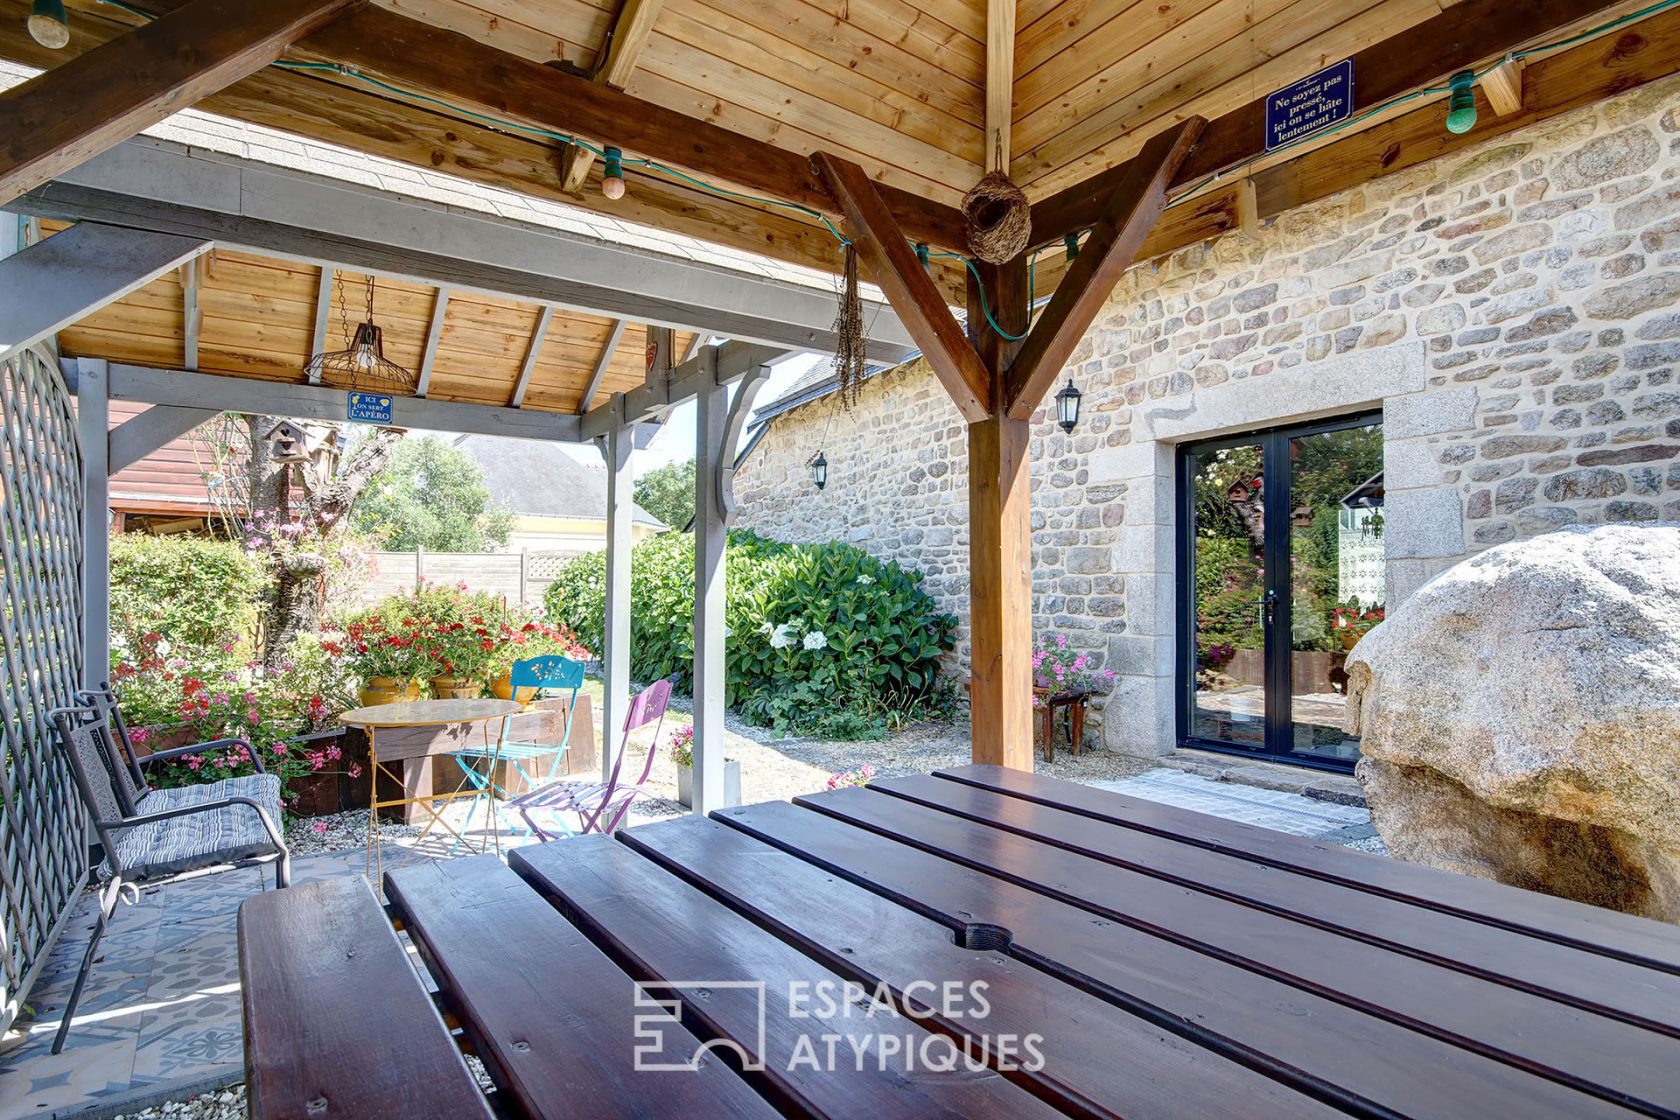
[481, 78]
[1000, 81]
[323, 315]
[533, 350]
[192, 314]
[1461, 36]
[1132, 210]
[603, 362]
[434, 335]
[1503, 85]
[629, 34]
[882, 246]
[59, 119]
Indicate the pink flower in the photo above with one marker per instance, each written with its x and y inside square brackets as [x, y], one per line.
[320, 828]
[355, 770]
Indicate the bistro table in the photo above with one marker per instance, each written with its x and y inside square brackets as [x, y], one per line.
[852, 953]
[418, 713]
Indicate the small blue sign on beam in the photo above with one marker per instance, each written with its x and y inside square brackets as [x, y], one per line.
[1310, 105]
[368, 408]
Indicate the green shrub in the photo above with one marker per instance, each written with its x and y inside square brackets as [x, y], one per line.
[823, 639]
[196, 593]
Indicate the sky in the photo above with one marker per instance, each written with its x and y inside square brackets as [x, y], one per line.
[675, 440]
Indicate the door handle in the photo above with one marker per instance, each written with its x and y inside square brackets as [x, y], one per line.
[1268, 606]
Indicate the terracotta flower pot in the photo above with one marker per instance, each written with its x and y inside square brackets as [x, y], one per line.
[503, 689]
[456, 688]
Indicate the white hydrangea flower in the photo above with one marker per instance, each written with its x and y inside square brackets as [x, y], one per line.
[782, 636]
[816, 639]
[766, 628]
[866, 579]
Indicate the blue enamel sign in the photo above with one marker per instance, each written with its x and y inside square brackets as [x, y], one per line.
[1310, 105]
[368, 408]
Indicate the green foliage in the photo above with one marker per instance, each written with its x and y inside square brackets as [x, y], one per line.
[824, 639]
[668, 493]
[432, 495]
[192, 592]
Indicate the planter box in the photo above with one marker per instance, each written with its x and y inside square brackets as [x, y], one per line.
[421, 754]
[731, 784]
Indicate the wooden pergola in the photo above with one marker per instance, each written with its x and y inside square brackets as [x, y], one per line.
[778, 127]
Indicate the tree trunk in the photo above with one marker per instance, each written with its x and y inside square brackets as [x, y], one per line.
[298, 593]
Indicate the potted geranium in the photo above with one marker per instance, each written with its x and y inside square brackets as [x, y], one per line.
[1059, 671]
[387, 661]
[682, 753]
[520, 636]
[1352, 623]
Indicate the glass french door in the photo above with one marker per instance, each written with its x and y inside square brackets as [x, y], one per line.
[1280, 560]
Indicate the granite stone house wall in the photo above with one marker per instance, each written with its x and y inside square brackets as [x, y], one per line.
[1513, 310]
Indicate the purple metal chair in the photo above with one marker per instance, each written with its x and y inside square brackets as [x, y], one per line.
[600, 806]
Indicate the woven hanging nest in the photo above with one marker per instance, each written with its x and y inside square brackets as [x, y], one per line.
[998, 219]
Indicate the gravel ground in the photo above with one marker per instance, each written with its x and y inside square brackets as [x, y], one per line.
[228, 1104]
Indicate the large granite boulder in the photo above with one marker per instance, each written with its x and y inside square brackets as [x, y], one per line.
[1520, 718]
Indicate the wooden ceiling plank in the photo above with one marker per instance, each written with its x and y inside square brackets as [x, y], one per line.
[1000, 81]
[1114, 243]
[629, 34]
[602, 363]
[482, 78]
[323, 312]
[885, 252]
[538, 334]
[1456, 39]
[428, 353]
[60, 119]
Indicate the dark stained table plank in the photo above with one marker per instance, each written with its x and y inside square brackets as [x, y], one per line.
[1609, 1058]
[549, 1014]
[663, 929]
[1099, 1060]
[1363, 1063]
[337, 1023]
[1587, 928]
[1606, 985]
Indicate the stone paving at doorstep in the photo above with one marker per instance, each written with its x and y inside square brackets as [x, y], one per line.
[160, 1020]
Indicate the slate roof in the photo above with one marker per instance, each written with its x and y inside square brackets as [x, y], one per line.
[537, 478]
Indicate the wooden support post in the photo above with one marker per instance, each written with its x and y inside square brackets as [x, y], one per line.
[1000, 539]
[615, 659]
[711, 409]
[93, 420]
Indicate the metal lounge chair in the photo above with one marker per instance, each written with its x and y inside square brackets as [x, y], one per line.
[551, 672]
[600, 806]
[155, 836]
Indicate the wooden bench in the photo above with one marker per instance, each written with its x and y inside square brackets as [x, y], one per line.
[337, 1022]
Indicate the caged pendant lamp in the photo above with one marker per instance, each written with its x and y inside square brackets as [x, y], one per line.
[362, 367]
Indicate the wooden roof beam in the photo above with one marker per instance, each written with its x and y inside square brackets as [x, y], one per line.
[1132, 210]
[629, 34]
[91, 103]
[192, 315]
[481, 78]
[533, 350]
[1000, 81]
[1456, 39]
[603, 362]
[880, 241]
[434, 334]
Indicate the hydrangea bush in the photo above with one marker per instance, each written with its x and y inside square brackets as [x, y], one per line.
[822, 639]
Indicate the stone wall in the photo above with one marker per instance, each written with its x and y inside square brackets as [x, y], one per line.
[1510, 308]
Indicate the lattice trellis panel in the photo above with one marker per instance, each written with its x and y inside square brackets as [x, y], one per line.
[43, 842]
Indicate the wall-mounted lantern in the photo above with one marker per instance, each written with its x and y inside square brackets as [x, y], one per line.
[1067, 407]
[819, 470]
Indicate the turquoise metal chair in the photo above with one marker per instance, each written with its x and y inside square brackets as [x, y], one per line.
[551, 673]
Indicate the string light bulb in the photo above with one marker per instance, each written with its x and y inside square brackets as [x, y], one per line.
[612, 173]
[48, 24]
[1461, 106]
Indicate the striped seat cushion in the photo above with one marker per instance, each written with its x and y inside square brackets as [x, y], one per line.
[202, 839]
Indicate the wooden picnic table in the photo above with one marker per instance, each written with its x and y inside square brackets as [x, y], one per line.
[1095, 954]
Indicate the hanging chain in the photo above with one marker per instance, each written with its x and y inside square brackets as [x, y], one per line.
[370, 298]
[343, 311]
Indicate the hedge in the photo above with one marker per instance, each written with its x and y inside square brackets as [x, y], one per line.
[199, 594]
[821, 638]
